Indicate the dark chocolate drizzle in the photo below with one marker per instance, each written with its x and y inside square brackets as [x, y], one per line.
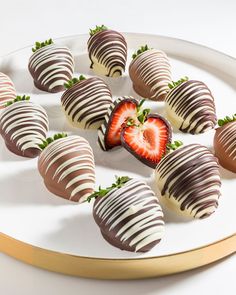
[192, 178]
[110, 49]
[189, 97]
[87, 101]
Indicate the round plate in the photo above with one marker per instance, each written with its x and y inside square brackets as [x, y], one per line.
[47, 231]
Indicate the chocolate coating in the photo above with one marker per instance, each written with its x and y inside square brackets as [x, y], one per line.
[51, 66]
[190, 107]
[67, 167]
[104, 128]
[23, 125]
[86, 102]
[150, 73]
[130, 218]
[189, 180]
[7, 90]
[108, 53]
[225, 146]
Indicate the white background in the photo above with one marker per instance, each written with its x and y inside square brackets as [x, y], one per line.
[211, 23]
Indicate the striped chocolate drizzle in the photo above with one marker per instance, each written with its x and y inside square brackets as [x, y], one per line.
[190, 175]
[102, 131]
[7, 90]
[130, 217]
[24, 125]
[51, 66]
[67, 167]
[192, 105]
[151, 69]
[86, 102]
[109, 49]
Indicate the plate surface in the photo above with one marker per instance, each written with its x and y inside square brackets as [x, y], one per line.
[32, 215]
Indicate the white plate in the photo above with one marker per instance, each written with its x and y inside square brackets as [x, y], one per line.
[29, 213]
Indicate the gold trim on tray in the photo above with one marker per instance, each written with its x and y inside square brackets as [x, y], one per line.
[101, 268]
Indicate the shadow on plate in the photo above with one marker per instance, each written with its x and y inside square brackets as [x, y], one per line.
[80, 235]
[226, 174]
[119, 159]
[30, 190]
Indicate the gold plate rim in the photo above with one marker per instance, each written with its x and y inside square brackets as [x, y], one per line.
[111, 268]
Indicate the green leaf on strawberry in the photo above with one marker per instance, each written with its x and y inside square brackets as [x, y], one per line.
[102, 192]
[39, 45]
[73, 81]
[17, 99]
[227, 119]
[174, 84]
[97, 30]
[49, 140]
[140, 50]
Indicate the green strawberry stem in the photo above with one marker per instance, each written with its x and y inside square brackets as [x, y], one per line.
[140, 50]
[18, 98]
[39, 45]
[73, 81]
[97, 29]
[141, 115]
[102, 192]
[177, 83]
[227, 119]
[49, 140]
[174, 145]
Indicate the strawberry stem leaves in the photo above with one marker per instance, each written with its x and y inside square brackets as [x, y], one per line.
[142, 115]
[140, 50]
[102, 192]
[227, 119]
[177, 83]
[97, 30]
[49, 140]
[39, 45]
[73, 81]
[174, 145]
[18, 98]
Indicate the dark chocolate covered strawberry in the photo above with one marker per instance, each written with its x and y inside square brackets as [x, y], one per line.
[129, 215]
[144, 135]
[148, 139]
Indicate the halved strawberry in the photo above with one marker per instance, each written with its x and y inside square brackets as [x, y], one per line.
[148, 140]
[120, 111]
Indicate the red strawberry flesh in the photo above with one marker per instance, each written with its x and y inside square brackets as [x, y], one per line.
[148, 142]
[125, 110]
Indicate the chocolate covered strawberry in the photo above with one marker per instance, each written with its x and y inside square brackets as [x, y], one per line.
[225, 142]
[147, 140]
[67, 166]
[23, 126]
[129, 215]
[119, 112]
